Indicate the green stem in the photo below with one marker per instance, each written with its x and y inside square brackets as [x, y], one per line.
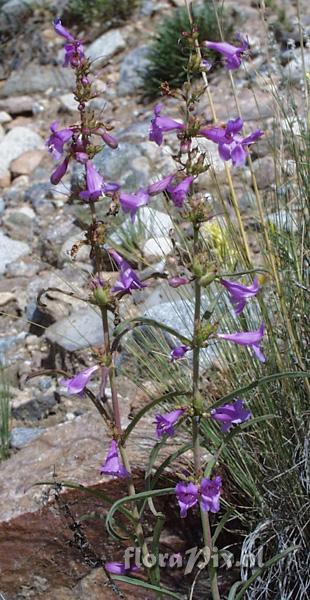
[204, 515]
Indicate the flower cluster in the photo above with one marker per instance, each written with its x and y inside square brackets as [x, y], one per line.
[207, 493]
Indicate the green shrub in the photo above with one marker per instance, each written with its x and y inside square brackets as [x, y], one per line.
[108, 11]
[169, 54]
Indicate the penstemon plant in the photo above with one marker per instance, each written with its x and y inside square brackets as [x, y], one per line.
[201, 485]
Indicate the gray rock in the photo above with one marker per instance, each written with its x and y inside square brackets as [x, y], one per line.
[21, 268]
[20, 223]
[4, 117]
[126, 164]
[14, 13]
[149, 223]
[17, 141]
[293, 71]
[81, 330]
[264, 170]
[17, 105]
[21, 436]
[37, 79]
[154, 249]
[68, 103]
[285, 220]
[132, 68]
[39, 406]
[247, 200]
[10, 250]
[105, 47]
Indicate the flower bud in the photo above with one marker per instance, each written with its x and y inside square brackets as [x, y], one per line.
[206, 279]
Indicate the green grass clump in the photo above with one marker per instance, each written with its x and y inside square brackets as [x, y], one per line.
[169, 52]
[108, 11]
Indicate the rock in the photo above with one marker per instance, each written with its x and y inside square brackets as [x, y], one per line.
[10, 250]
[154, 249]
[151, 222]
[264, 171]
[247, 201]
[81, 330]
[293, 71]
[5, 178]
[13, 13]
[68, 103]
[106, 46]
[20, 223]
[132, 67]
[16, 142]
[285, 220]
[21, 436]
[37, 79]
[22, 268]
[6, 343]
[33, 406]
[17, 105]
[38, 556]
[27, 162]
[83, 253]
[4, 117]
[6, 297]
[126, 164]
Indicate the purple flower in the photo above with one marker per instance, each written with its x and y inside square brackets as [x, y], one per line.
[232, 54]
[239, 293]
[74, 50]
[131, 202]
[119, 568]
[160, 125]
[165, 423]
[179, 191]
[159, 186]
[61, 30]
[231, 414]
[76, 384]
[210, 490]
[56, 141]
[187, 496]
[231, 145]
[179, 351]
[247, 338]
[128, 279]
[60, 171]
[112, 464]
[178, 280]
[94, 182]
[110, 140]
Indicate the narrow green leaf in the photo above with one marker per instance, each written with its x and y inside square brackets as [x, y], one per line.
[148, 586]
[130, 324]
[222, 524]
[134, 498]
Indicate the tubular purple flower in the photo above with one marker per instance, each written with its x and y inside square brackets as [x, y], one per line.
[178, 193]
[56, 141]
[128, 279]
[210, 490]
[112, 464]
[61, 30]
[119, 568]
[110, 140]
[131, 202]
[160, 125]
[74, 54]
[231, 414]
[178, 280]
[240, 293]
[179, 352]
[247, 338]
[187, 497]
[232, 54]
[59, 172]
[231, 145]
[165, 423]
[159, 186]
[77, 384]
[94, 182]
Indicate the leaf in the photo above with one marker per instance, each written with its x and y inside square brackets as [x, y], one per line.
[232, 594]
[134, 498]
[221, 525]
[148, 586]
[261, 381]
[148, 407]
